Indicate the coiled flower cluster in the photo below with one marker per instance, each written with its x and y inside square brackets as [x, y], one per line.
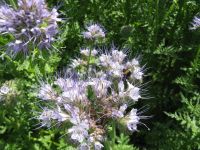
[8, 91]
[4, 90]
[31, 25]
[97, 88]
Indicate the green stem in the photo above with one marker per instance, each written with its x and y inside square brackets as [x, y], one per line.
[196, 60]
[89, 57]
[156, 25]
[88, 61]
[113, 132]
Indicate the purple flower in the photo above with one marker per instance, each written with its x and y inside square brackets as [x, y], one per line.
[133, 120]
[94, 31]
[195, 23]
[31, 25]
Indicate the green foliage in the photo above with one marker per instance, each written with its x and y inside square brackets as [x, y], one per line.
[115, 142]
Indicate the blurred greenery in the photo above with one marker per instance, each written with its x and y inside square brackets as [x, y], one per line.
[157, 31]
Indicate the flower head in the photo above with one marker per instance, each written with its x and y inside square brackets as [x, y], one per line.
[98, 146]
[100, 90]
[119, 113]
[31, 24]
[46, 92]
[94, 31]
[133, 120]
[100, 86]
[46, 117]
[133, 92]
[86, 52]
[79, 130]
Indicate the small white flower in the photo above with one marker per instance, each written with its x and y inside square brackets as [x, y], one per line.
[86, 52]
[74, 113]
[4, 90]
[46, 92]
[135, 69]
[121, 89]
[94, 31]
[116, 69]
[119, 113]
[76, 63]
[65, 84]
[105, 60]
[84, 146]
[137, 73]
[18, 42]
[60, 115]
[98, 145]
[72, 95]
[100, 74]
[79, 132]
[135, 62]
[75, 93]
[118, 56]
[46, 117]
[133, 120]
[60, 82]
[134, 92]
[100, 86]
[123, 108]
[54, 16]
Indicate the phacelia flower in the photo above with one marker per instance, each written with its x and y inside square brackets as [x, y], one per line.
[133, 120]
[100, 86]
[79, 130]
[77, 62]
[133, 92]
[60, 115]
[118, 56]
[86, 52]
[101, 89]
[135, 68]
[46, 92]
[94, 31]
[46, 116]
[119, 113]
[76, 93]
[195, 23]
[31, 25]
[98, 146]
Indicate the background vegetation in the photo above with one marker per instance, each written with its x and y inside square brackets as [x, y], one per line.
[157, 30]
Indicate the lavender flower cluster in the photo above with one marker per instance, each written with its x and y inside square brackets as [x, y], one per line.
[97, 88]
[31, 25]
